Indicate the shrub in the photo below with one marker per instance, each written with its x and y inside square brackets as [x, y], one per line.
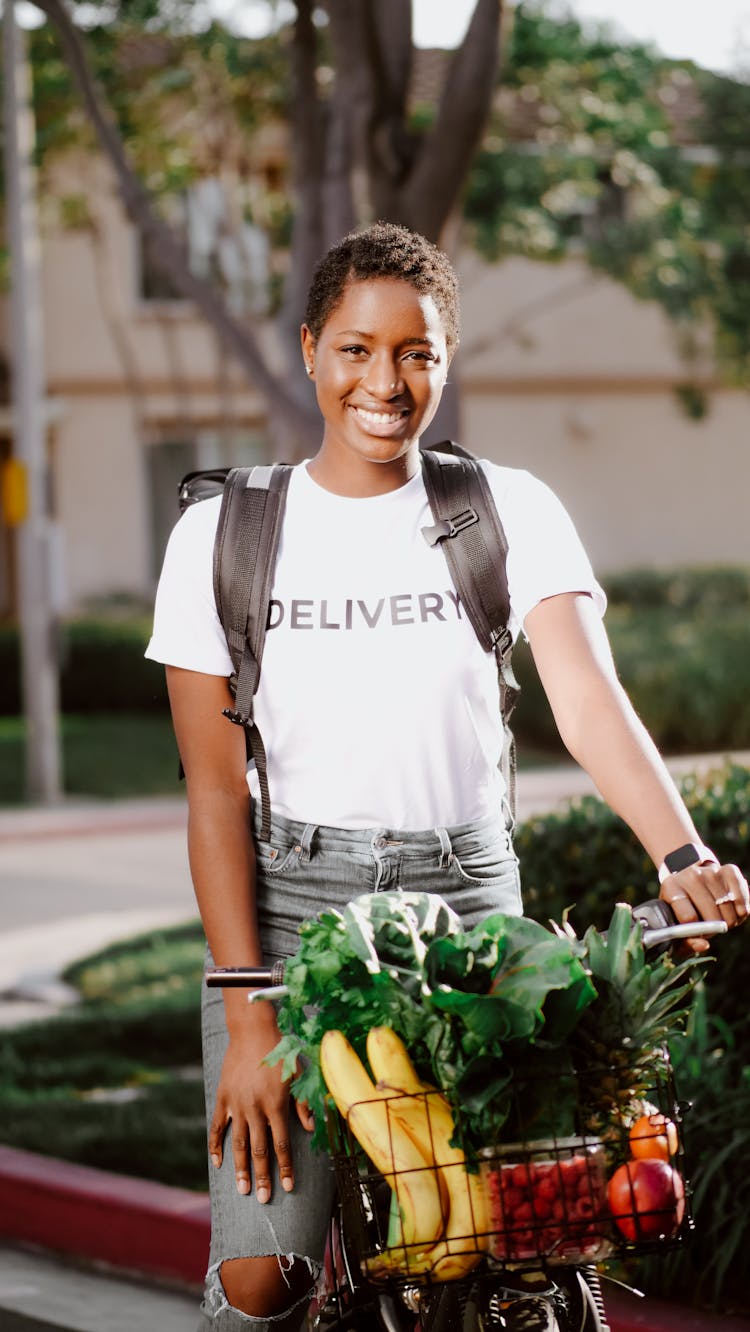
[681, 643]
[102, 668]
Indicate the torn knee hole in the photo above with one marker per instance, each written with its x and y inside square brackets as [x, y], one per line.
[269, 1286]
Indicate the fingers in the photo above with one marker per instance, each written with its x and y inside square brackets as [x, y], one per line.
[282, 1146]
[261, 1161]
[240, 1155]
[305, 1115]
[707, 892]
[217, 1130]
[252, 1154]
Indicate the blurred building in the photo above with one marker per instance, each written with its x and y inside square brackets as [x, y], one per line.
[561, 371]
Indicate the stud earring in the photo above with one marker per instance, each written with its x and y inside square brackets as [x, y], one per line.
[309, 369]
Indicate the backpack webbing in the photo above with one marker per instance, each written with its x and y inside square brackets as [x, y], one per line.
[472, 538]
[247, 539]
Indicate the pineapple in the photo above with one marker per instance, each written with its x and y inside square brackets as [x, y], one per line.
[620, 1043]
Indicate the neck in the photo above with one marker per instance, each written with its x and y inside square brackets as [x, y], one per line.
[361, 478]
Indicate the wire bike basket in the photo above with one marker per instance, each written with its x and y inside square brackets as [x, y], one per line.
[614, 1186]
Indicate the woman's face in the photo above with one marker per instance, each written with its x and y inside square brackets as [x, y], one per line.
[379, 367]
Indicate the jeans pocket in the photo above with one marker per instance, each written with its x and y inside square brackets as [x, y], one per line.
[277, 859]
[484, 864]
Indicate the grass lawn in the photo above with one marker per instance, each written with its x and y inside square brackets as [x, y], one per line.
[115, 1083]
[104, 754]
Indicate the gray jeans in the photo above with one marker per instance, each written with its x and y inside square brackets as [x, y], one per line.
[301, 870]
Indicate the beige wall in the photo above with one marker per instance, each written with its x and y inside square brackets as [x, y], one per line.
[126, 375]
[566, 374]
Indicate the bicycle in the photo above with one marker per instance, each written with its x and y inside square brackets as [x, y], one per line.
[546, 1217]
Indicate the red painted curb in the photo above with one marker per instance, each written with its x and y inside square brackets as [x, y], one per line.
[159, 1231]
[132, 1224]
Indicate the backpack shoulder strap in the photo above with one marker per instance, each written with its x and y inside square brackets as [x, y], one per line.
[247, 539]
[468, 527]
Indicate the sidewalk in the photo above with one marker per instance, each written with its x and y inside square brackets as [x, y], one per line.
[39, 1293]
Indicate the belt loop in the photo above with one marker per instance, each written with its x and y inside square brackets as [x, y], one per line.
[305, 841]
[446, 850]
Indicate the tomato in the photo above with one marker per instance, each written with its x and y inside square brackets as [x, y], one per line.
[653, 1136]
[647, 1199]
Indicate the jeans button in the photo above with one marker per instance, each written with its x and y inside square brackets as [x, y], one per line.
[380, 842]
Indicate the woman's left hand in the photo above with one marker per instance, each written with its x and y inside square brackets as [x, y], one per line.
[707, 892]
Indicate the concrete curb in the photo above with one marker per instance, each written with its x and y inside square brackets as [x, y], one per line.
[157, 1231]
[131, 1224]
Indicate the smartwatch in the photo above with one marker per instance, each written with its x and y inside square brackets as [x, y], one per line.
[692, 853]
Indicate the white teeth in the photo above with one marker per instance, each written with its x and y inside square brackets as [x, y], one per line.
[379, 418]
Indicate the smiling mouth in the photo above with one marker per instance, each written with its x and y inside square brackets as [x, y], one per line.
[380, 420]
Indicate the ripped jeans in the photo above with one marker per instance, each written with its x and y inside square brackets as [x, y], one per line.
[301, 870]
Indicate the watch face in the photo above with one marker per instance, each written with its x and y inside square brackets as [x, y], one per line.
[680, 859]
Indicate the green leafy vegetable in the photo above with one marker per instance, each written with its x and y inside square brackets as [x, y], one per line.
[460, 1000]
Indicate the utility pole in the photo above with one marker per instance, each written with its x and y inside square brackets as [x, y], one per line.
[29, 474]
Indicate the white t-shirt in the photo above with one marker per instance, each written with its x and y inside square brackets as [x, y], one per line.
[377, 705]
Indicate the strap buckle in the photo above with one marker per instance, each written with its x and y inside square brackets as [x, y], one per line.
[239, 718]
[502, 639]
[450, 527]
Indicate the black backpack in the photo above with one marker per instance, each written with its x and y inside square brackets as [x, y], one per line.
[466, 523]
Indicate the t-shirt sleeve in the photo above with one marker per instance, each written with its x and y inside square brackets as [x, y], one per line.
[545, 553]
[187, 631]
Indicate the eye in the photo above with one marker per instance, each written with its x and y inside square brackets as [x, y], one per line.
[426, 357]
[354, 349]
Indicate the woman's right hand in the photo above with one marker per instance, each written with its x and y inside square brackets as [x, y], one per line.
[255, 1100]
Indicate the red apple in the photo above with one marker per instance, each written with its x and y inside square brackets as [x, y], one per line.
[647, 1199]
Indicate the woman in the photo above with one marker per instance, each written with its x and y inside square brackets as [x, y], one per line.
[379, 713]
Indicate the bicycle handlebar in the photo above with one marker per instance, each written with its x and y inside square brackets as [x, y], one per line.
[660, 929]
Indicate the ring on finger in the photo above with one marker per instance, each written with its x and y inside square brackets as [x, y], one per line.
[728, 897]
[678, 897]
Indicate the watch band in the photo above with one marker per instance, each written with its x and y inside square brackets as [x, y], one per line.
[692, 853]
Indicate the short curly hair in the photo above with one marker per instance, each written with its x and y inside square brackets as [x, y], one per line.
[384, 250]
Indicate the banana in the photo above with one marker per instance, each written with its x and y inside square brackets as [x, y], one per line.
[392, 1149]
[426, 1114]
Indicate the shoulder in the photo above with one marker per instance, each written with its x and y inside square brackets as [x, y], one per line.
[199, 519]
[514, 484]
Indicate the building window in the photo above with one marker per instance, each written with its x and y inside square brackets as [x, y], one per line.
[220, 243]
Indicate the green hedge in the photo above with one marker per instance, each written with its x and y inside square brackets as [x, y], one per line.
[586, 859]
[102, 668]
[681, 642]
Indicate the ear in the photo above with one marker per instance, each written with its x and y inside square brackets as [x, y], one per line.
[308, 350]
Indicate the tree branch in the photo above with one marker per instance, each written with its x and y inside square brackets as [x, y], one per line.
[392, 146]
[163, 244]
[446, 153]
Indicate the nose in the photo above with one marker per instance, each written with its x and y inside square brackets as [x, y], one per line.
[383, 378]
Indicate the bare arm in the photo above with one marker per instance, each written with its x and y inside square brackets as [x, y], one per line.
[601, 730]
[222, 864]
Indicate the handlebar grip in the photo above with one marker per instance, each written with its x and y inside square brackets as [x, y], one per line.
[245, 978]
